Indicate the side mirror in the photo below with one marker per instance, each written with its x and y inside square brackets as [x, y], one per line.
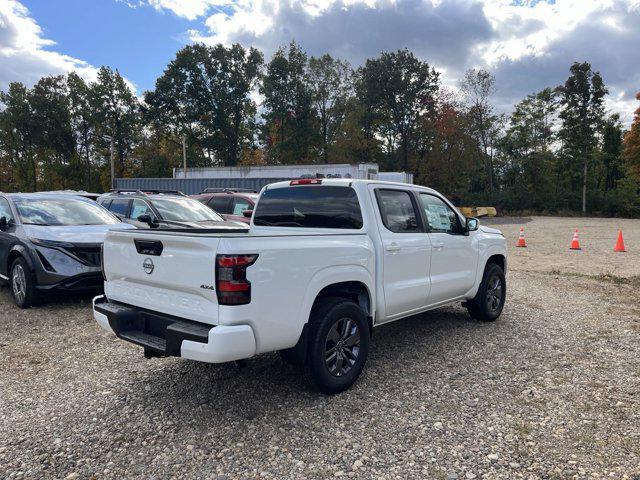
[3, 223]
[148, 219]
[247, 213]
[472, 224]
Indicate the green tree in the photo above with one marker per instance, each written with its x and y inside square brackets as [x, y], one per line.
[331, 83]
[582, 115]
[484, 123]
[84, 126]
[611, 153]
[290, 124]
[54, 137]
[631, 153]
[117, 117]
[204, 94]
[525, 155]
[398, 91]
[18, 128]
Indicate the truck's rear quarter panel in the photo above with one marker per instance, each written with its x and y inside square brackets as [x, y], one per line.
[289, 272]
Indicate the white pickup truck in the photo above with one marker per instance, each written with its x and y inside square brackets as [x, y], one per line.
[323, 263]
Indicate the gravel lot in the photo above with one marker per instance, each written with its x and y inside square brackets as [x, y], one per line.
[551, 390]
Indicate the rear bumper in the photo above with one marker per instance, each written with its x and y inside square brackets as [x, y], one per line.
[173, 336]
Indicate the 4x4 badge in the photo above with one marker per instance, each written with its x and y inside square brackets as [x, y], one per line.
[148, 265]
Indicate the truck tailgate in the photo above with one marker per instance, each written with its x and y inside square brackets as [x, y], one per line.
[173, 274]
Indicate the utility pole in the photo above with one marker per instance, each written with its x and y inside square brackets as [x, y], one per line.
[184, 155]
[113, 162]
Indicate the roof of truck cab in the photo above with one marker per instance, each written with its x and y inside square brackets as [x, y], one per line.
[346, 182]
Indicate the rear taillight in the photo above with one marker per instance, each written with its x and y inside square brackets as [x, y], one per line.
[232, 285]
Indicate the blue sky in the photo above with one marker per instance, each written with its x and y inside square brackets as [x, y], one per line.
[138, 41]
[527, 44]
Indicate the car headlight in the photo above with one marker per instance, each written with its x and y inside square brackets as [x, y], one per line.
[50, 243]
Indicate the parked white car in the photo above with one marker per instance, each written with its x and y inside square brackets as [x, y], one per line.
[324, 262]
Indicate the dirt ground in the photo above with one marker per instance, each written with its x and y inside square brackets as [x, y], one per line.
[549, 238]
[549, 391]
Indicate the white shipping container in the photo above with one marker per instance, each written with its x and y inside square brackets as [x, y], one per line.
[340, 170]
[402, 177]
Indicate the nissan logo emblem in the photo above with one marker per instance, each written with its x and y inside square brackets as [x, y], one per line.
[148, 265]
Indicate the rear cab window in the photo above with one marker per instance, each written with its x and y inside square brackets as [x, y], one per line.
[309, 206]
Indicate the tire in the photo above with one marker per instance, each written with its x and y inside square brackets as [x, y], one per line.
[488, 303]
[338, 345]
[22, 284]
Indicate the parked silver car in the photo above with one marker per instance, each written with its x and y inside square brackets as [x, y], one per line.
[51, 242]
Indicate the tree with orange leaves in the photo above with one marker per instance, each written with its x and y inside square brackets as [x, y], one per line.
[631, 153]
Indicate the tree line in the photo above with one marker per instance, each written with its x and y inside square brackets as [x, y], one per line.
[558, 151]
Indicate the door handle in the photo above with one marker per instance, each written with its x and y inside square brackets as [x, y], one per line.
[393, 247]
[438, 245]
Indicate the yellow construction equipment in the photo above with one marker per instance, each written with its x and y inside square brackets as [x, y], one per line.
[478, 211]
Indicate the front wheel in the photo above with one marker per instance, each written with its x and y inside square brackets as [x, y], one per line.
[22, 284]
[488, 303]
[338, 345]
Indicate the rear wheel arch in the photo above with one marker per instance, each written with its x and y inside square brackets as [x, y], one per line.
[354, 291]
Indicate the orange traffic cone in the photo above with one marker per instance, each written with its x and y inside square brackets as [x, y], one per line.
[575, 243]
[521, 242]
[620, 243]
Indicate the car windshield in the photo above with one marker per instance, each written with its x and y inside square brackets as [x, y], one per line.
[181, 209]
[62, 211]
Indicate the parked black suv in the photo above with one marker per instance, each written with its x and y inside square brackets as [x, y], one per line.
[162, 209]
[51, 242]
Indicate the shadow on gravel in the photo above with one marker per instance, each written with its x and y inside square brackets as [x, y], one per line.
[266, 388]
[53, 299]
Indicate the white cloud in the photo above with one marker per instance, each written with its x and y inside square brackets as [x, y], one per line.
[25, 55]
[529, 44]
[189, 9]
[602, 32]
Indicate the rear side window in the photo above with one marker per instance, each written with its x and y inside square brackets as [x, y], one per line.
[119, 206]
[309, 206]
[220, 203]
[398, 211]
